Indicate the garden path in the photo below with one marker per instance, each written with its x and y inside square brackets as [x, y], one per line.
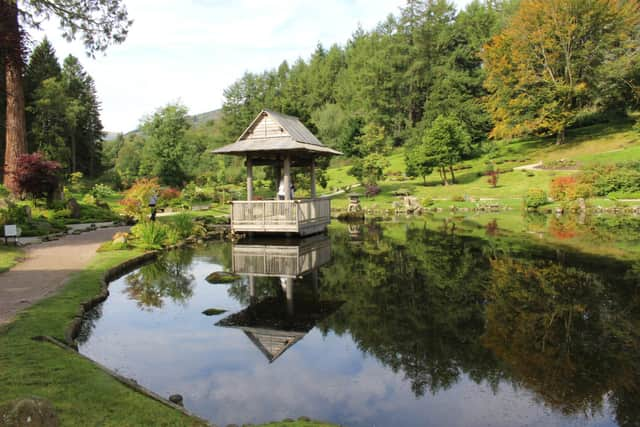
[46, 268]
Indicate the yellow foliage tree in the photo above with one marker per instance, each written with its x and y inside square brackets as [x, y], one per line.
[548, 63]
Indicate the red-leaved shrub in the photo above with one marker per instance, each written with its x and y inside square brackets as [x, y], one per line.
[37, 176]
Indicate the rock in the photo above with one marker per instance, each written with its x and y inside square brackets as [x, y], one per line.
[74, 207]
[177, 399]
[559, 211]
[120, 238]
[213, 311]
[33, 411]
[222, 277]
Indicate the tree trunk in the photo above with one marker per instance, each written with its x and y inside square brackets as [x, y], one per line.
[73, 152]
[453, 177]
[443, 174]
[11, 48]
[560, 137]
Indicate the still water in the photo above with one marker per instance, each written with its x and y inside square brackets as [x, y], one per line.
[384, 325]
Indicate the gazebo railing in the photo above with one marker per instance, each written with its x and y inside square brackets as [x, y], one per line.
[280, 215]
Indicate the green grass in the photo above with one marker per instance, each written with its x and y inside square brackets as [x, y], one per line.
[9, 256]
[603, 143]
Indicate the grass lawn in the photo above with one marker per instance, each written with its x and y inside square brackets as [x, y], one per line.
[9, 256]
[603, 143]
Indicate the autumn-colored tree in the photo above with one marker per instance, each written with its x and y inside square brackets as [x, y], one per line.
[550, 61]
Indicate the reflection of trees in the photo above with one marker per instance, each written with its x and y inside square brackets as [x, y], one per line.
[416, 306]
[433, 304]
[167, 277]
[566, 334]
[264, 287]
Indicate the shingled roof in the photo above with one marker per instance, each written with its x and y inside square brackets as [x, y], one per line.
[275, 132]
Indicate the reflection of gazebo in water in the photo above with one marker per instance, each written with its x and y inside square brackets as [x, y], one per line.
[282, 141]
[274, 324]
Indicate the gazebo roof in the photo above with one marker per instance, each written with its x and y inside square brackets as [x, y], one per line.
[272, 132]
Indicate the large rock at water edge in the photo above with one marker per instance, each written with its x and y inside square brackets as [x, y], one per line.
[222, 277]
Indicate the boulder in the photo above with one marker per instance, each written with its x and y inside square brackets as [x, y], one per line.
[120, 238]
[32, 411]
[222, 277]
[177, 399]
[74, 208]
[213, 311]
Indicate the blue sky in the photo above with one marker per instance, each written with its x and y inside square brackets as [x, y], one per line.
[190, 51]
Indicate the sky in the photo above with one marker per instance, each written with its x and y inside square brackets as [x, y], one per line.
[189, 51]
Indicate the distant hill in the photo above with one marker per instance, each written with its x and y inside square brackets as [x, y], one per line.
[110, 136]
[197, 120]
[202, 118]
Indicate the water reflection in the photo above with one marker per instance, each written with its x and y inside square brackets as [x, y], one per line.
[455, 323]
[277, 317]
[167, 278]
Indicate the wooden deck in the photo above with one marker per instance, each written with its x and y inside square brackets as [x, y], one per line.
[303, 217]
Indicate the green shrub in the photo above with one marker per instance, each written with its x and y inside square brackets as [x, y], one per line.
[605, 179]
[193, 193]
[101, 191]
[535, 198]
[173, 236]
[183, 224]
[150, 234]
[75, 182]
[88, 199]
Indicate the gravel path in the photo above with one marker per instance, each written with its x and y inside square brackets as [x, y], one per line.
[46, 268]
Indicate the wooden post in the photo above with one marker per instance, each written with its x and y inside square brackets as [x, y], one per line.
[289, 294]
[249, 178]
[287, 177]
[313, 178]
[252, 290]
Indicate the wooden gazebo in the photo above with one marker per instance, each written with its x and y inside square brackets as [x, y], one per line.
[282, 141]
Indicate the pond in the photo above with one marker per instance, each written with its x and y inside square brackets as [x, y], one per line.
[430, 322]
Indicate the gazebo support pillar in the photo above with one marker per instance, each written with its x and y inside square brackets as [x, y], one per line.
[287, 177]
[249, 178]
[313, 178]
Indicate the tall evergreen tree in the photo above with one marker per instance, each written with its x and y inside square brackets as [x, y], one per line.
[97, 22]
[84, 128]
[43, 64]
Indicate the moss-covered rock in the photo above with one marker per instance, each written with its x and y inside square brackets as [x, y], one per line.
[213, 311]
[222, 277]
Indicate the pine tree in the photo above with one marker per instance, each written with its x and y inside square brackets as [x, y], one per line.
[97, 22]
[43, 64]
[84, 128]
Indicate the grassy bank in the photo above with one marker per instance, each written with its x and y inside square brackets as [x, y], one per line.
[604, 143]
[9, 256]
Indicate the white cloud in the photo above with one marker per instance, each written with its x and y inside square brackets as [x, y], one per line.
[193, 50]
